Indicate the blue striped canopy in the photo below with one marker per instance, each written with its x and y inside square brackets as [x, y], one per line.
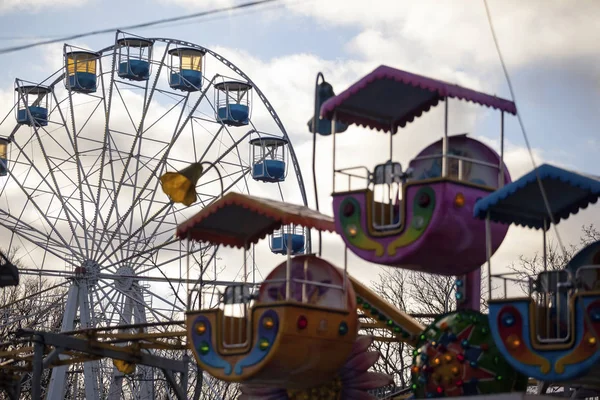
[521, 201]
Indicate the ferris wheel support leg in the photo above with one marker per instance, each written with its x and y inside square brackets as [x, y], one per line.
[146, 373]
[57, 385]
[116, 381]
[91, 370]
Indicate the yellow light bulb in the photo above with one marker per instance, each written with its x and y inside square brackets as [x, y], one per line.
[200, 328]
[592, 341]
[268, 323]
[513, 342]
[459, 200]
[352, 231]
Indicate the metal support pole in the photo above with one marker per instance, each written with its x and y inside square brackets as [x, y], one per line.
[488, 252]
[333, 134]
[545, 253]
[184, 375]
[187, 275]
[91, 369]
[179, 393]
[445, 141]
[58, 377]
[501, 177]
[38, 359]
[288, 270]
[391, 141]
[199, 383]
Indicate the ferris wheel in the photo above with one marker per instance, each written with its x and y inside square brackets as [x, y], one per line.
[81, 156]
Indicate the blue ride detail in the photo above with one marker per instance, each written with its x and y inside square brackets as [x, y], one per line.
[187, 80]
[39, 115]
[84, 82]
[136, 70]
[234, 114]
[279, 244]
[257, 354]
[211, 357]
[269, 171]
[514, 315]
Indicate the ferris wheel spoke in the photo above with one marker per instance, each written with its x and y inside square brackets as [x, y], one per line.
[136, 142]
[174, 107]
[80, 169]
[17, 225]
[123, 243]
[124, 104]
[178, 132]
[103, 310]
[34, 236]
[114, 301]
[233, 183]
[30, 195]
[140, 303]
[145, 249]
[161, 298]
[106, 102]
[58, 194]
[168, 281]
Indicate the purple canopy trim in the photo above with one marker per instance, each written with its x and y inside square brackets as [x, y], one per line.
[387, 98]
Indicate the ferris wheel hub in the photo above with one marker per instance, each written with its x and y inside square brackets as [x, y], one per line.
[88, 271]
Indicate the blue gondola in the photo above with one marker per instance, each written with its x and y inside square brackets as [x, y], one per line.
[233, 102]
[268, 159]
[32, 99]
[80, 68]
[287, 235]
[134, 55]
[186, 69]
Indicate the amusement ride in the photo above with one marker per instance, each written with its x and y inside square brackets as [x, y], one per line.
[116, 216]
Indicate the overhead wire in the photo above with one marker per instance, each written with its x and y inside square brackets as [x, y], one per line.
[520, 119]
[246, 12]
[213, 11]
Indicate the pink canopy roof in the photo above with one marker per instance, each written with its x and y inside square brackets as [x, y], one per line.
[388, 97]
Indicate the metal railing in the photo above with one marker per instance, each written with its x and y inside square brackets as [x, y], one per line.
[345, 172]
[457, 170]
[237, 299]
[550, 291]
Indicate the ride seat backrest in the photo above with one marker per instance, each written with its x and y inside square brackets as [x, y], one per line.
[588, 278]
[388, 173]
[553, 281]
[236, 294]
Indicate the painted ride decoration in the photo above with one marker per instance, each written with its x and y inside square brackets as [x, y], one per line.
[552, 334]
[456, 356]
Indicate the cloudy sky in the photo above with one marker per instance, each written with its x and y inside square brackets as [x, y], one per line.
[550, 48]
